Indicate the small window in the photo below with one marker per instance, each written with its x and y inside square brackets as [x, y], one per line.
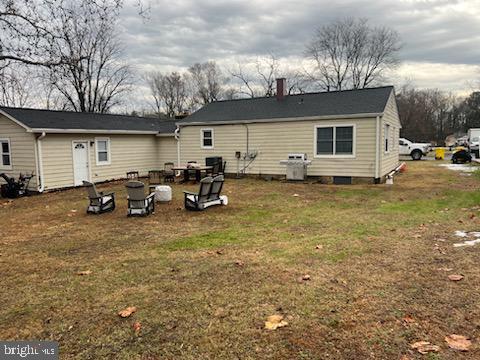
[6, 159]
[387, 138]
[207, 138]
[334, 141]
[103, 151]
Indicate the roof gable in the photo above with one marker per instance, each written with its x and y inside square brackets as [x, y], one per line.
[323, 104]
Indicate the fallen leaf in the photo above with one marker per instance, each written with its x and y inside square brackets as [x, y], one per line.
[306, 277]
[220, 313]
[274, 322]
[319, 247]
[84, 272]
[219, 252]
[472, 216]
[409, 320]
[136, 327]
[455, 277]
[444, 269]
[296, 195]
[239, 263]
[424, 347]
[73, 211]
[458, 342]
[127, 312]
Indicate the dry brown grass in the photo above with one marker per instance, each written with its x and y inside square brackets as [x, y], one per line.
[377, 263]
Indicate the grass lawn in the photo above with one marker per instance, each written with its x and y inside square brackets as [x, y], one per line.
[204, 283]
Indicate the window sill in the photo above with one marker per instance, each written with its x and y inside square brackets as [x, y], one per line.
[6, 167]
[207, 147]
[334, 156]
[103, 163]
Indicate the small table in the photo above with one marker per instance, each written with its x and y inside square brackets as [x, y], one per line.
[198, 172]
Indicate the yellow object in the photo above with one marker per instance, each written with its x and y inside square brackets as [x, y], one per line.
[439, 154]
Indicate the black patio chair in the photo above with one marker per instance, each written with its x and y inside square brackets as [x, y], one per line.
[168, 172]
[139, 204]
[154, 179]
[99, 202]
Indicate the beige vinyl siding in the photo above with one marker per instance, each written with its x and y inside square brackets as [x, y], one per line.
[22, 149]
[273, 141]
[127, 152]
[389, 161]
[167, 150]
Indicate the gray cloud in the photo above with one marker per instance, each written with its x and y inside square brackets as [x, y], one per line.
[180, 33]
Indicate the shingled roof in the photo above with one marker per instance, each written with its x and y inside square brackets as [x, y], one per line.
[322, 104]
[37, 119]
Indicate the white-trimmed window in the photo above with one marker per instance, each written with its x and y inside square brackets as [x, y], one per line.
[337, 141]
[6, 154]
[387, 138]
[206, 138]
[102, 146]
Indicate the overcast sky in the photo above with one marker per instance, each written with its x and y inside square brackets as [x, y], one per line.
[441, 38]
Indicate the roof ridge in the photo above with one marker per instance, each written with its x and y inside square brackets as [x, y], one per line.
[305, 93]
[84, 113]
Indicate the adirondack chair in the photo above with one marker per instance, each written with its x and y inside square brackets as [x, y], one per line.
[208, 194]
[139, 204]
[99, 202]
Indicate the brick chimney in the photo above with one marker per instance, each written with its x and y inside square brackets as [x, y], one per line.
[281, 88]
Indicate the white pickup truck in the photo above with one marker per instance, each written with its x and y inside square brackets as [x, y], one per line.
[415, 150]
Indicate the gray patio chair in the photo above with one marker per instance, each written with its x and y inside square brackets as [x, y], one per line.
[208, 194]
[196, 201]
[99, 202]
[138, 203]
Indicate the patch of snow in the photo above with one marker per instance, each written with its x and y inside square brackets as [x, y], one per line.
[460, 167]
[460, 233]
[467, 243]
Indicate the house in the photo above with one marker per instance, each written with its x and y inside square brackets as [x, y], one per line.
[346, 134]
[64, 148]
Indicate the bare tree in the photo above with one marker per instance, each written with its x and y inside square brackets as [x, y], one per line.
[29, 29]
[169, 93]
[349, 53]
[15, 87]
[258, 78]
[93, 78]
[207, 82]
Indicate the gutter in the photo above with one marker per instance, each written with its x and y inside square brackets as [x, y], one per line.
[39, 162]
[274, 120]
[86, 131]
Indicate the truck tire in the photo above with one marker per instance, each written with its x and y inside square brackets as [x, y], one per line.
[416, 155]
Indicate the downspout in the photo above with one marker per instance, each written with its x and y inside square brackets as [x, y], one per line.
[40, 178]
[377, 150]
[247, 153]
[177, 137]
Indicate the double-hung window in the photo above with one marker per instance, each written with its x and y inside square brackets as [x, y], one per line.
[102, 146]
[335, 141]
[207, 138]
[6, 154]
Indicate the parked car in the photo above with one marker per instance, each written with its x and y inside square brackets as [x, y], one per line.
[473, 136]
[415, 150]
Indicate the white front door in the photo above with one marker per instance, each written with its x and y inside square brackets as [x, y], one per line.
[80, 162]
